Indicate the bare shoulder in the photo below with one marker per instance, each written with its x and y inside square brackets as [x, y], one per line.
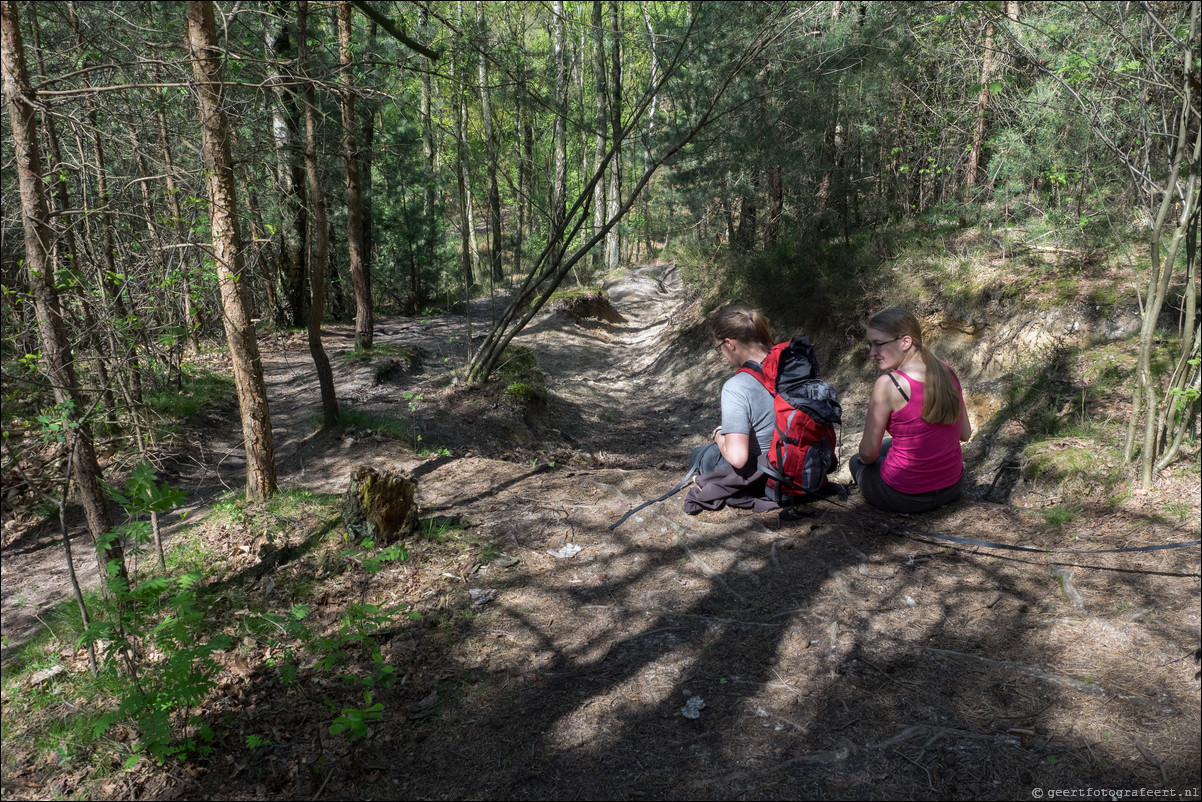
[886, 392]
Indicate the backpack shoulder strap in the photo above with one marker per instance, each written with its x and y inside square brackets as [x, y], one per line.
[898, 386]
[753, 369]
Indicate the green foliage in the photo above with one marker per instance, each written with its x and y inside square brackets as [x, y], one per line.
[439, 529]
[524, 381]
[356, 633]
[407, 354]
[414, 252]
[526, 395]
[141, 496]
[807, 286]
[164, 617]
[1060, 515]
[1182, 397]
[199, 388]
[353, 722]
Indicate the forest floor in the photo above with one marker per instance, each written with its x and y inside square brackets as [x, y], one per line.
[843, 654]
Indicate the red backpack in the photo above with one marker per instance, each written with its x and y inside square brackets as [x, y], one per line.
[802, 452]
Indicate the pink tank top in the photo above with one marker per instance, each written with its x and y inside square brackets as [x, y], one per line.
[923, 457]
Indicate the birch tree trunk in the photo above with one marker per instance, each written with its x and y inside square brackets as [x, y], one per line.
[227, 253]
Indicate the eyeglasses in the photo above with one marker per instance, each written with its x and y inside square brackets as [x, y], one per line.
[719, 344]
[871, 346]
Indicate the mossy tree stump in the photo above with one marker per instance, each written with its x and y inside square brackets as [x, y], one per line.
[380, 505]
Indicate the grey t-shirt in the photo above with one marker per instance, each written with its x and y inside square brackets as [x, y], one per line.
[747, 407]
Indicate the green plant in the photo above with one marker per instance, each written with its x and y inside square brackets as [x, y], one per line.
[356, 632]
[526, 394]
[407, 354]
[352, 721]
[198, 388]
[1060, 514]
[161, 615]
[163, 612]
[439, 529]
[357, 419]
[1182, 397]
[412, 400]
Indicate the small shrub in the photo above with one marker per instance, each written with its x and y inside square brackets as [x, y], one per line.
[524, 382]
[524, 394]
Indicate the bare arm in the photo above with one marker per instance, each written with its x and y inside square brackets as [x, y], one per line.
[879, 408]
[965, 426]
[735, 448]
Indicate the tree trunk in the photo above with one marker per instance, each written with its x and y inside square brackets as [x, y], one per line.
[559, 177]
[429, 229]
[289, 170]
[490, 147]
[191, 314]
[601, 79]
[978, 137]
[776, 207]
[57, 359]
[523, 187]
[523, 111]
[613, 241]
[319, 242]
[1159, 279]
[748, 214]
[360, 274]
[261, 256]
[67, 251]
[227, 252]
[467, 234]
[1182, 202]
[650, 129]
[367, 139]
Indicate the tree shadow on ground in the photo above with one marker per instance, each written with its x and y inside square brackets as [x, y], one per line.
[835, 660]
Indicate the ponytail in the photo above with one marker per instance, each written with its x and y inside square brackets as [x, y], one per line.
[941, 396]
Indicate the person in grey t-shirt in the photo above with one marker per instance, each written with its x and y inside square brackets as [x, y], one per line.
[729, 467]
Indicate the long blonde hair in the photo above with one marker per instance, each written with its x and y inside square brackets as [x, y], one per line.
[941, 396]
[746, 326]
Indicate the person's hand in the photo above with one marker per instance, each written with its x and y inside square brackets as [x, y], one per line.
[717, 431]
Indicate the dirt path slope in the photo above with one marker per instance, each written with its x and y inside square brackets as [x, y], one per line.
[727, 655]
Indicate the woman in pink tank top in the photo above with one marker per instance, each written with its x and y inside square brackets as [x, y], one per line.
[919, 403]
